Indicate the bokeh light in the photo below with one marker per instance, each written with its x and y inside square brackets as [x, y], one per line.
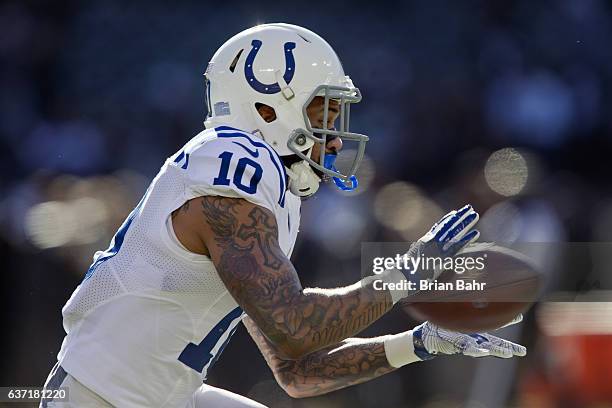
[53, 223]
[506, 172]
[399, 205]
[50, 224]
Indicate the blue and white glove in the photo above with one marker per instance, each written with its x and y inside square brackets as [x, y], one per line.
[447, 237]
[430, 340]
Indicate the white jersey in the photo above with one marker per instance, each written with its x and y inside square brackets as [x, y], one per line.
[150, 318]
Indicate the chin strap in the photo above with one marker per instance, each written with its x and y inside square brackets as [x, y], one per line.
[344, 185]
[303, 181]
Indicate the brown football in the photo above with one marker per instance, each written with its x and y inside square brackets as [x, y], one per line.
[511, 285]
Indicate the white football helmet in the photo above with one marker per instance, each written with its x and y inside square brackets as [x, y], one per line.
[285, 67]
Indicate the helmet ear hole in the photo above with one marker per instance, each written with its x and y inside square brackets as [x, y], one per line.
[266, 112]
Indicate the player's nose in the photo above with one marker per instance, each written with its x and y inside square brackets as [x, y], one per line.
[334, 144]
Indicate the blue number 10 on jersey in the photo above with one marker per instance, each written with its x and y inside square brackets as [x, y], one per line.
[223, 180]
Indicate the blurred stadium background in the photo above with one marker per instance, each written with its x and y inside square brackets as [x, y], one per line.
[506, 105]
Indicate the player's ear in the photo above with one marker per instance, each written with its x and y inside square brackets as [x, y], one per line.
[266, 112]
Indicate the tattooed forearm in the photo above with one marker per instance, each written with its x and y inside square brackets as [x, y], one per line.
[263, 281]
[352, 362]
[346, 314]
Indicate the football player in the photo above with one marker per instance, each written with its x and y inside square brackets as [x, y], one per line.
[208, 246]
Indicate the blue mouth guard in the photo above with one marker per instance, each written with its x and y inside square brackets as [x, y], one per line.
[349, 185]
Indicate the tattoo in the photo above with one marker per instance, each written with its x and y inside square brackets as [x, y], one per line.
[323, 371]
[219, 214]
[370, 314]
[263, 281]
[266, 237]
[352, 362]
[184, 208]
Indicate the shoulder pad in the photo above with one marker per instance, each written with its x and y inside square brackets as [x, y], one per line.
[229, 162]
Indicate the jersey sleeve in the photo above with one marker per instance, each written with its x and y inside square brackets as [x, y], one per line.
[238, 166]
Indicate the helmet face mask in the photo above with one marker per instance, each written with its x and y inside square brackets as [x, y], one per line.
[345, 96]
[284, 67]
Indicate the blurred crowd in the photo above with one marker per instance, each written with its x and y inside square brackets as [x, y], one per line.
[504, 105]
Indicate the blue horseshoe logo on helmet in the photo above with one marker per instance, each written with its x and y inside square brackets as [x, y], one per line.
[269, 88]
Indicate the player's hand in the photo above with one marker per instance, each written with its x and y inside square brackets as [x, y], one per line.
[447, 237]
[431, 340]
[454, 231]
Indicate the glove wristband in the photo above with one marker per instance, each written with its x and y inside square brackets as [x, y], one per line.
[399, 349]
[419, 346]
